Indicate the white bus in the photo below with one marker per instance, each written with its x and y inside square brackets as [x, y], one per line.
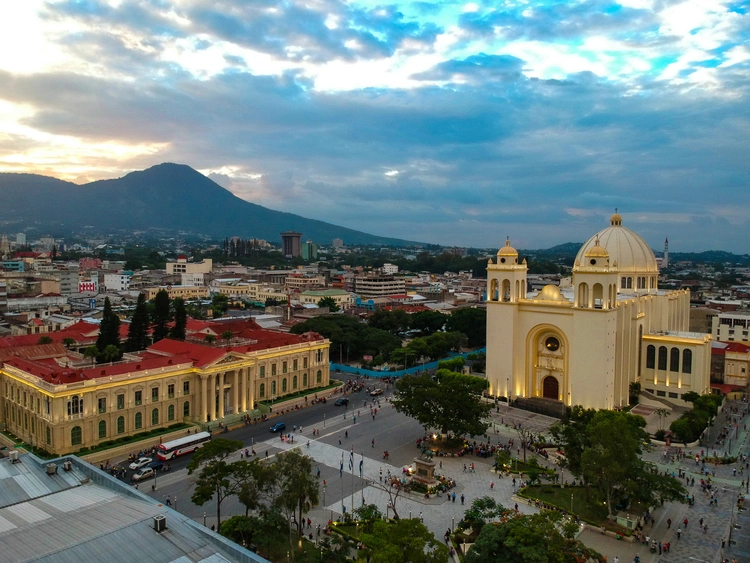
[182, 446]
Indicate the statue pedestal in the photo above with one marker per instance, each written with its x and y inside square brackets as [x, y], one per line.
[425, 471]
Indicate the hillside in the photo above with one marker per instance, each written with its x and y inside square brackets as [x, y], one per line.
[168, 196]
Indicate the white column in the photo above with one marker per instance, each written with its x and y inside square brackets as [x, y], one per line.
[204, 398]
[236, 391]
[220, 414]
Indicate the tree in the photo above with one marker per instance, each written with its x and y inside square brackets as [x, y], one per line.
[449, 402]
[263, 531]
[68, 342]
[227, 335]
[427, 322]
[296, 488]
[402, 541]
[533, 538]
[138, 329]
[471, 322]
[396, 321]
[329, 302]
[210, 338]
[219, 305]
[109, 329]
[216, 477]
[177, 331]
[44, 340]
[368, 514]
[110, 354]
[484, 510]
[91, 352]
[161, 316]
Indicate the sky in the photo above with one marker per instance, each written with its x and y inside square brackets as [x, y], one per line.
[457, 123]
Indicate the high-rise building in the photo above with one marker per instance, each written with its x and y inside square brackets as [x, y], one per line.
[290, 244]
[21, 238]
[337, 243]
[310, 250]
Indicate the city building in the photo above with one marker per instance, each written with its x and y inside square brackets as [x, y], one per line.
[586, 344]
[731, 327]
[66, 510]
[378, 286]
[63, 403]
[117, 282]
[195, 278]
[21, 239]
[69, 276]
[182, 266]
[389, 269]
[300, 282]
[88, 286]
[182, 291]
[342, 298]
[309, 251]
[290, 244]
[337, 244]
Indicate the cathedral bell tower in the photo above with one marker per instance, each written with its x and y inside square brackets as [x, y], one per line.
[506, 278]
[595, 280]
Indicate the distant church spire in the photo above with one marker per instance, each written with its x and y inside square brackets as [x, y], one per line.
[665, 258]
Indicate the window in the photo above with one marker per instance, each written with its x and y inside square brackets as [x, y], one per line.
[155, 417]
[319, 376]
[674, 359]
[662, 357]
[273, 388]
[283, 385]
[186, 388]
[154, 394]
[138, 398]
[24, 398]
[186, 409]
[651, 356]
[294, 382]
[320, 356]
[283, 367]
[138, 420]
[673, 395]
[262, 371]
[273, 369]
[170, 413]
[687, 361]
[26, 421]
[661, 394]
[120, 424]
[75, 405]
[170, 391]
[33, 425]
[120, 401]
[76, 436]
[48, 434]
[304, 362]
[304, 380]
[262, 390]
[102, 429]
[294, 365]
[102, 404]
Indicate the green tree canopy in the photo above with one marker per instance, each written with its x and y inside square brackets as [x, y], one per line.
[329, 302]
[45, 340]
[138, 328]
[450, 402]
[161, 316]
[402, 541]
[216, 477]
[471, 322]
[109, 329]
[296, 488]
[177, 332]
[533, 538]
[396, 321]
[219, 305]
[427, 322]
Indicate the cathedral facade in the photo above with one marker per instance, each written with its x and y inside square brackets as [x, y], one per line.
[584, 343]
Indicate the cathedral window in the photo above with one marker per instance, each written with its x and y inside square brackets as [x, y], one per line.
[663, 358]
[552, 344]
[674, 360]
[687, 361]
[651, 357]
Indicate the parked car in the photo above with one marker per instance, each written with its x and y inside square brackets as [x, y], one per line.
[143, 473]
[341, 401]
[376, 392]
[140, 462]
[278, 427]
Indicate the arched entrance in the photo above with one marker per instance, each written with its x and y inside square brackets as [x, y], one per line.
[551, 388]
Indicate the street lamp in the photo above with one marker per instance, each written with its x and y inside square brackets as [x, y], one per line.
[204, 518]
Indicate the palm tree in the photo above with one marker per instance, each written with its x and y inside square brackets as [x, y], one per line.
[68, 342]
[227, 335]
[210, 338]
[662, 413]
[110, 353]
[44, 340]
[91, 352]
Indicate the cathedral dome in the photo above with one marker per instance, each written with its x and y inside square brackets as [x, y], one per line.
[507, 250]
[550, 293]
[627, 251]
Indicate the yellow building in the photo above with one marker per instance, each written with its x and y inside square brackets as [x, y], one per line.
[586, 344]
[181, 291]
[62, 405]
[342, 298]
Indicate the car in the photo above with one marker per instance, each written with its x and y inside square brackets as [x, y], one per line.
[278, 427]
[341, 401]
[140, 462]
[143, 473]
[156, 465]
[376, 392]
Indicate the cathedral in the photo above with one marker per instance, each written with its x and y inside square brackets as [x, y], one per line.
[585, 342]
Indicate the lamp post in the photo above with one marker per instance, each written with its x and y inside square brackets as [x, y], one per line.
[175, 503]
[571, 503]
[204, 518]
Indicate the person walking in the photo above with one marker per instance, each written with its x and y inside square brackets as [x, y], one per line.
[679, 532]
[462, 499]
[373, 442]
[168, 501]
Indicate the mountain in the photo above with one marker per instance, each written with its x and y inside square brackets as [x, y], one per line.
[167, 196]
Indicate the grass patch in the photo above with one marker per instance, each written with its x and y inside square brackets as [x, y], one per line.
[593, 511]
